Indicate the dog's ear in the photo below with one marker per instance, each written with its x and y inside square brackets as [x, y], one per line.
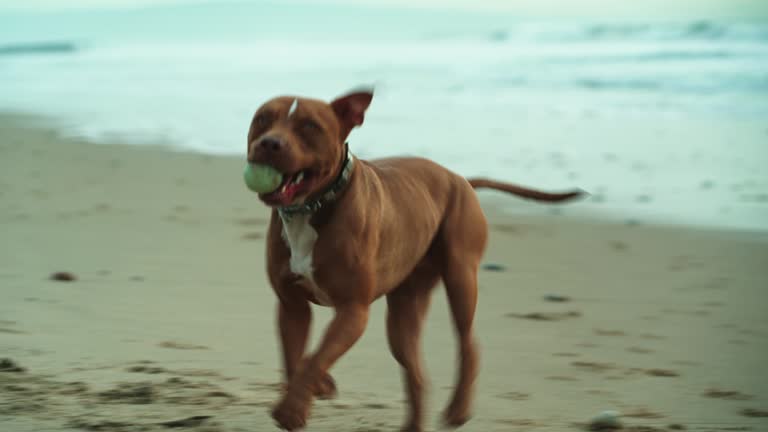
[350, 109]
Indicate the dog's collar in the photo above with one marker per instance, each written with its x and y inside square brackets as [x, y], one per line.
[328, 195]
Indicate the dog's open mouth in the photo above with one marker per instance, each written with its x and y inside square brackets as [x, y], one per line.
[293, 185]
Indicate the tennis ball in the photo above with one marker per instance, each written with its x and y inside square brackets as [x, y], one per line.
[262, 178]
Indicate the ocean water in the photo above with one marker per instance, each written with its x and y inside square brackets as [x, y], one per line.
[550, 103]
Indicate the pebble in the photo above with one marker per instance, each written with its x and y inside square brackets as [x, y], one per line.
[8, 365]
[606, 420]
[556, 298]
[63, 277]
[494, 267]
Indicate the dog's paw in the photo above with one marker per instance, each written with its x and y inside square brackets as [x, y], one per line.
[322, 383]
[456, 415]
[326, 387]
[291, 414]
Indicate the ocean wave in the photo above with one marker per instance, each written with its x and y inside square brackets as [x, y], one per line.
[38, 48]
[693, 30]
[611, 84]
[626, 31]
[656, 56]
[706, 85]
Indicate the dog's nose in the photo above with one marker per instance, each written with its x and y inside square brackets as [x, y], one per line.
[271, 144]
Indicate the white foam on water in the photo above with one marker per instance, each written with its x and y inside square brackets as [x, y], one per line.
[660, 121]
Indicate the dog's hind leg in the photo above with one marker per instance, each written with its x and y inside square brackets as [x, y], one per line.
[461, 288]
[406, 309]
[462, 242]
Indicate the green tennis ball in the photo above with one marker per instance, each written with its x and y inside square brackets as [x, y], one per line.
[262, 178]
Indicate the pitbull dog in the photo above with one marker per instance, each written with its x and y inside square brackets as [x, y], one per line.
[346, 231]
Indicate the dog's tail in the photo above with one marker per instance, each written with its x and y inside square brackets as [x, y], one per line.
[524, 192]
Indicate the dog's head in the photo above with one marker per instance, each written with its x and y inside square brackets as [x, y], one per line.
[304, 140]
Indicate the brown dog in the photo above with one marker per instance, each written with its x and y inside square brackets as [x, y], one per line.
[345, 232]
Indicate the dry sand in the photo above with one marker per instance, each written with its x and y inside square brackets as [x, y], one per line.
[171, 316]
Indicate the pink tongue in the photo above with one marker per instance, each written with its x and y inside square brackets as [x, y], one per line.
[287, 196]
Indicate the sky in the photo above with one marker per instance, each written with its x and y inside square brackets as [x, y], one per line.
[731, 9]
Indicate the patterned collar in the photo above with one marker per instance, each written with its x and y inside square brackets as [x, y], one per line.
[327, 196]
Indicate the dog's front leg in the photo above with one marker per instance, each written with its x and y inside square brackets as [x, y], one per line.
[344, 330]
[293, 320]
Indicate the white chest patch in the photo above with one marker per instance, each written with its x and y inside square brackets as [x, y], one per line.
[300, 237]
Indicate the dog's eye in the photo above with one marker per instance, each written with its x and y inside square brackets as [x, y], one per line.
[310, 126]
[261, 120]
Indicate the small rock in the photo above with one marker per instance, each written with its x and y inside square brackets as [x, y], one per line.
[726, 394]
[181, 346]
[661, 373]
[619, 245]
[8, 365]
[752, 412]
[546, 316]
[253, 236]
[76, 387]
[106, 425]
[146, 369]
[15, 388]
[606, 420]
[556, 298]
[494, 267]
[63, 277]
[131, 393]
[188, 422]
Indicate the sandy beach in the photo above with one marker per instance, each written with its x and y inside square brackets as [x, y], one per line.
[171, 318]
